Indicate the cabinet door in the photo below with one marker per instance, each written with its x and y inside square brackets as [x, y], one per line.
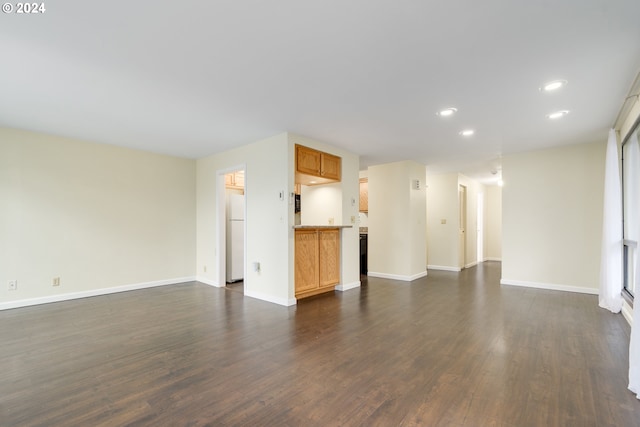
[307, 161]
[329, 247]
[306, 260]
[331, 166]
[364, 195]
[238, 178]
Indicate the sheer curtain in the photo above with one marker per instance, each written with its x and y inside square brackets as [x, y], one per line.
[610, 293]
[634, 345]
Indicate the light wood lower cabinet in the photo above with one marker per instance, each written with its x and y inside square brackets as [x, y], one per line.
[317, 261]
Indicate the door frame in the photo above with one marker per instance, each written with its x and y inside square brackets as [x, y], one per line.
[480, 228]
[462, 225]
[221, 223]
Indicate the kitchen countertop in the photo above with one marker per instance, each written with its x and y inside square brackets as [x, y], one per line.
[302, 227]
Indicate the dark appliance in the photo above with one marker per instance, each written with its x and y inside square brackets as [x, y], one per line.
[363, 254]
[296, 203]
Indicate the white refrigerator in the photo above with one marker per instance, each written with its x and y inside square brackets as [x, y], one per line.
[235, 237]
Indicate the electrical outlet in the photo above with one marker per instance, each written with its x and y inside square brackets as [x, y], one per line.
[56, 281]
[13, 285]
[205, 268]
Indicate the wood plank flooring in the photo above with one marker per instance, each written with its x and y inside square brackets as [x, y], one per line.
[450, 349]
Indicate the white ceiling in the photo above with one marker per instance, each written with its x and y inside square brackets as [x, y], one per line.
[196, 78]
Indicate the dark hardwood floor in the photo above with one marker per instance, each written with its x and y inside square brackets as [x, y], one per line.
[451, 349]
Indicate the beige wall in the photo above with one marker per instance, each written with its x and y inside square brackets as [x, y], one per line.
[99, 217]
[471, 228]
[552, 217]
[442, 206]
[493, 223]
[397, 221]
[444, 238]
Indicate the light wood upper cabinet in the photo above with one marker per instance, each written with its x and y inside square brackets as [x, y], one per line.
[234, 180]
[317, 261]
[364, 195]
[316, 167]
[307, 161]
[330, 166]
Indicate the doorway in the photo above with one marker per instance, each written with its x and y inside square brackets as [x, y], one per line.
[232, 228]
[462, 216]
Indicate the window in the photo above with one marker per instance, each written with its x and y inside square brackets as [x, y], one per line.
[631, 207]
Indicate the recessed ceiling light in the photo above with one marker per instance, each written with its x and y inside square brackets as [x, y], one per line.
[501, 183]
[557, 114]
[554, 85]
[467, 132]
[447, 112]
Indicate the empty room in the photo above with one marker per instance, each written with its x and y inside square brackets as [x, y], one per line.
[319, 213]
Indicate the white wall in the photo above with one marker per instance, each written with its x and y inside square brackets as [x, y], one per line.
[493, 223]
[397, 221]
[552, 217]
[350, 188]
[320, 204]
[269, 171]
[266, 164]
[97, 216]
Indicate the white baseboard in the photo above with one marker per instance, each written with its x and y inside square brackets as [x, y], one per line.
[473, 264]
[348, 286]
[270, 298]
[91, 293]
[493, 259]
[443, 267]
[208, 282]
[550, 286]
[627, 312]
[404, 278]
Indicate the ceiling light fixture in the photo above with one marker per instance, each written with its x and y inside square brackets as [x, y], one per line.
[467, 132]
[553, 86]
[447, 112]
[557, 114]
